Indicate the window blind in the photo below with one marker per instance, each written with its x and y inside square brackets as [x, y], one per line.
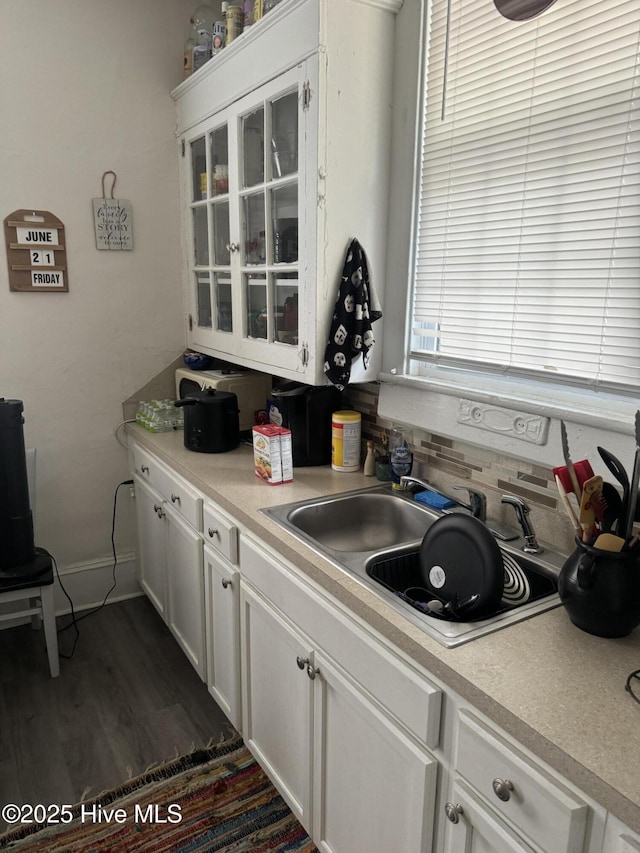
[527, 251]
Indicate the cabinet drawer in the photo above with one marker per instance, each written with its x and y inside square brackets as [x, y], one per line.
[404, 693]
[182, 497]
[532, 800]
[220, 533]
[146, 466]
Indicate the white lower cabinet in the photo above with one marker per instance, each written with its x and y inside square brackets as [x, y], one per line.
[185, 587]
[170, 561]
[152, 560]
[373, 787]
[473, 828]
[222, 594]
[499, 792]
[351, 773]
[277, 701]
[619, 839]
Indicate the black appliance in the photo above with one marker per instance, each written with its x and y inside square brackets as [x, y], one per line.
[306, 410]
[20, 562]
[211, 421]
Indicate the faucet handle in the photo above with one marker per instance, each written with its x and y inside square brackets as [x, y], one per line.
[477, 502]
[522, 510]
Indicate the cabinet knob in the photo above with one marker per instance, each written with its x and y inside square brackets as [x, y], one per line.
[453, 812]
[158, 510]
[175, 499]
[312, 671]
[233, 247]
[226, 582]
[144, 469]
[213, 532]
[502, 789]
[302, 662]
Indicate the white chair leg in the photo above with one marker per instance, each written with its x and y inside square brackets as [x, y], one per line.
[36, 620]
[50, 631]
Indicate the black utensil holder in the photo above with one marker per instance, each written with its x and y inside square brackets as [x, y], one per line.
[600, 590]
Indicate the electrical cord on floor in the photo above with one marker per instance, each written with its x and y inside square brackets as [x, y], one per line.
[75, 619]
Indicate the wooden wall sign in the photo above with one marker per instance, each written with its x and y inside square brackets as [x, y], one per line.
[36, 252]
[112, 220]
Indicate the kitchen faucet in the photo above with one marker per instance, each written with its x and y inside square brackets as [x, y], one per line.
[477, 505]
[521, 510]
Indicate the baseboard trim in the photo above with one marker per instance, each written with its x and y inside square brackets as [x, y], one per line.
[88, 583]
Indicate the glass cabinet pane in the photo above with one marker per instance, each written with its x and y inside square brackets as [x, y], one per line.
[284, 135]
[224, 311]
[198, 170]
[284, 212]
[254, 229]
[253, 148]
[285, 299]
[221, 238]
[219, 182]
[200, 237]
[256, 302]
[203, 300]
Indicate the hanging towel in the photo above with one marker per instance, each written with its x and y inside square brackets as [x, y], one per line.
[356, 309]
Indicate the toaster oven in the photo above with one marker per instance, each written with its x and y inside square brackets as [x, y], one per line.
[250, 387]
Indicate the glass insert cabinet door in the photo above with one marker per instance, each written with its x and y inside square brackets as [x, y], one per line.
[211, 232]
[268, 143]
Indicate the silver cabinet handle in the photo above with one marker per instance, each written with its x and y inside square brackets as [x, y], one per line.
[233, 247]
[158, 510]
[144, 469]
[453, 812]
[175, 499]
[213, 532]
[302, 662]
[226, 582]
[312, 671]
[502, 788]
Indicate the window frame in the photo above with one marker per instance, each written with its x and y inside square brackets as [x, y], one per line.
[605, 410]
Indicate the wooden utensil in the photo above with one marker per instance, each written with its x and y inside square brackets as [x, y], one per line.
[609, 542]
[587, 510]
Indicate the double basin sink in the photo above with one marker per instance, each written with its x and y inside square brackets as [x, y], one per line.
[375, 534]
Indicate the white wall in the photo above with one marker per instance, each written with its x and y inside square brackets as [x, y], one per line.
[84, 87]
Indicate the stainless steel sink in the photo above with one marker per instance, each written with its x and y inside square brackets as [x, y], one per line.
[360, 522]
[374, 535]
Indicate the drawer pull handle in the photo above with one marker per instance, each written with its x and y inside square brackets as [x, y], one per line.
[213, 532]
[302, 662]
[226, 582]
[453, 812]
[312, 671]
[175, 499]
[158, 510]
[144, 469]
[502, 789]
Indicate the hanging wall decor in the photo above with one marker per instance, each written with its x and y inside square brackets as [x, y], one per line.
[112, 220]
[36, 252]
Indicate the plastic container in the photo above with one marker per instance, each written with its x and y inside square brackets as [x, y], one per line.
[234, 17]
[346, 429]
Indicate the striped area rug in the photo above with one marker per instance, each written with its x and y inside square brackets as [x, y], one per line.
[216, 799]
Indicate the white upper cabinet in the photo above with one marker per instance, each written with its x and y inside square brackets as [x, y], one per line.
[284, 145]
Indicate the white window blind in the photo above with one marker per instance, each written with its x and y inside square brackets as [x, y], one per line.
[528, 239]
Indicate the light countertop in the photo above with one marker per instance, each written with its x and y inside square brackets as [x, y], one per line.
[557, 690]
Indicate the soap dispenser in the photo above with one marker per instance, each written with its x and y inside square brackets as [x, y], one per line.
[400, 457]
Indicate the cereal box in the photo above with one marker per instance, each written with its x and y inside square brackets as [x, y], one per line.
[272, 454]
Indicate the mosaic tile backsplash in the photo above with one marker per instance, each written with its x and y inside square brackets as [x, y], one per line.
[445, 463]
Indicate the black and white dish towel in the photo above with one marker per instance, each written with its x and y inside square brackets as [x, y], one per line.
[356, 309]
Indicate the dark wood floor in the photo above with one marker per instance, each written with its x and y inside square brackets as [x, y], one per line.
[126, 699]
